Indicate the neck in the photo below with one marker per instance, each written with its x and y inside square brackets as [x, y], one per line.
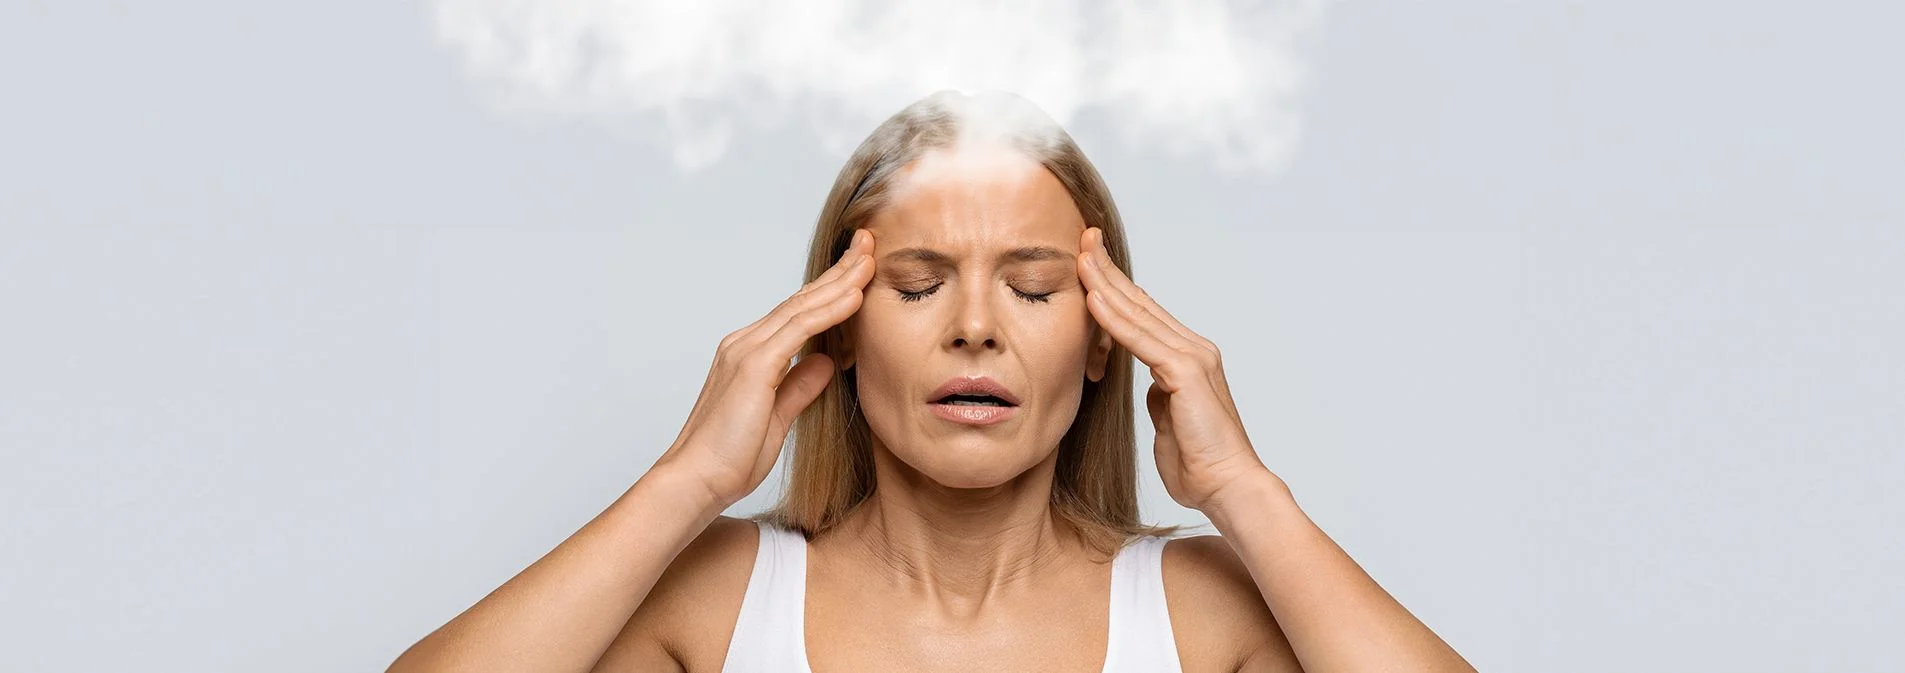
[964, 545]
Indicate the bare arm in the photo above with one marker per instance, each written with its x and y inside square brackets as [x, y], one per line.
[1335, 616]
[562, 612]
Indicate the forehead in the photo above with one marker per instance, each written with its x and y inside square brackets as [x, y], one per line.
[964, 201]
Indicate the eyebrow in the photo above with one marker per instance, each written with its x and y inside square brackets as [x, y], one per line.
[1036, 253]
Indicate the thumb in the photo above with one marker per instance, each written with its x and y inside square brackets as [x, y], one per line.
[1158, 403]
[797, 391]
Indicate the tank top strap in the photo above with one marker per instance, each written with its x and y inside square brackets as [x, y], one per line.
[1140, 636]
[769, 633]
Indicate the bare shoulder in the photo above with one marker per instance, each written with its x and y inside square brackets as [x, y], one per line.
[686, 620]
[1218, 615]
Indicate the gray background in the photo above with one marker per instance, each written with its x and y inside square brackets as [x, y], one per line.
[1575, 323]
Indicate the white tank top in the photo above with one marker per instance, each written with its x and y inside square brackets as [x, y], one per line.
[770, 634]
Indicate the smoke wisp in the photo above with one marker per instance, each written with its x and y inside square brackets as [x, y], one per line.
[1212, 79]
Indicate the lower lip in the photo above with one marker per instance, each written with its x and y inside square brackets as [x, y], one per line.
[973, 414]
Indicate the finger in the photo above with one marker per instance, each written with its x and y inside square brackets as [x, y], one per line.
[851, 274]
[1116, 279]
[840, 266]
[824, 310]
[1179, 362]
[862, 244]
[1123, 283]
[1146, 343]
[820, 302]
[1164, 450]
[1158, 402]
[797, 391]
[855, 250]
[1120, 308]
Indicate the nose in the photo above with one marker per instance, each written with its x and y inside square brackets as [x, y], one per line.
[987, 343]
[975, 320]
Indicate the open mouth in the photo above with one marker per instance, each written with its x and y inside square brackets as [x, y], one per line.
[963, 400]
[974, 401]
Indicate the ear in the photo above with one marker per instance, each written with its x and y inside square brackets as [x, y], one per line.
[1099, 353]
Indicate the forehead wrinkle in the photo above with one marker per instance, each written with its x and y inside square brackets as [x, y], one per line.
[950, 212]
[942, 228]
[1018, 255]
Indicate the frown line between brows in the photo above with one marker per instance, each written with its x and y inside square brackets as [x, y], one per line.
[1037, 253]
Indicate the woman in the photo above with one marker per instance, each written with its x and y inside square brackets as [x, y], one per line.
[962, 491]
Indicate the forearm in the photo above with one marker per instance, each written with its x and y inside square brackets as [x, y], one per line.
[562, 612]
[1335, 616]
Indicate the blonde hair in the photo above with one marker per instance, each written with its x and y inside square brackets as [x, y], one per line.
[1094, 488]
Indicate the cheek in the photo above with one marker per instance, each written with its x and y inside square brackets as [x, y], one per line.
[887, 346]
[879, 329]
[1071, 325]
[1061, 341]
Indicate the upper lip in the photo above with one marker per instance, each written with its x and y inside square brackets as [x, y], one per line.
[974, 385]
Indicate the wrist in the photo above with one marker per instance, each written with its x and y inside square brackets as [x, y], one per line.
[680, 490]
[1247, 497]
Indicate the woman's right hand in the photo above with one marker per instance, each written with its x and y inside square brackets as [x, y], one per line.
[735, 430]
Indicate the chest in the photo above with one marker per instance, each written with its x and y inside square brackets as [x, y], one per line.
[850, 631]
[825, 614]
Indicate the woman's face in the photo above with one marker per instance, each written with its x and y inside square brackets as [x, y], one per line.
[975, 277]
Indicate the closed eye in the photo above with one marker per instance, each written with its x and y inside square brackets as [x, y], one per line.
[922, 294]
[1035, 298]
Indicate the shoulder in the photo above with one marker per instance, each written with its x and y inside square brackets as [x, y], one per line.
[688, 617]
[1218, 614]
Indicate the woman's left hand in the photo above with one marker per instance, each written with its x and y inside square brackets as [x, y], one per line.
[1201, 448]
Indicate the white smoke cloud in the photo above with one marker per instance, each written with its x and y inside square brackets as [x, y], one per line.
[1207, 78]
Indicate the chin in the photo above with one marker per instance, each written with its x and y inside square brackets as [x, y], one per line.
[973, 466]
